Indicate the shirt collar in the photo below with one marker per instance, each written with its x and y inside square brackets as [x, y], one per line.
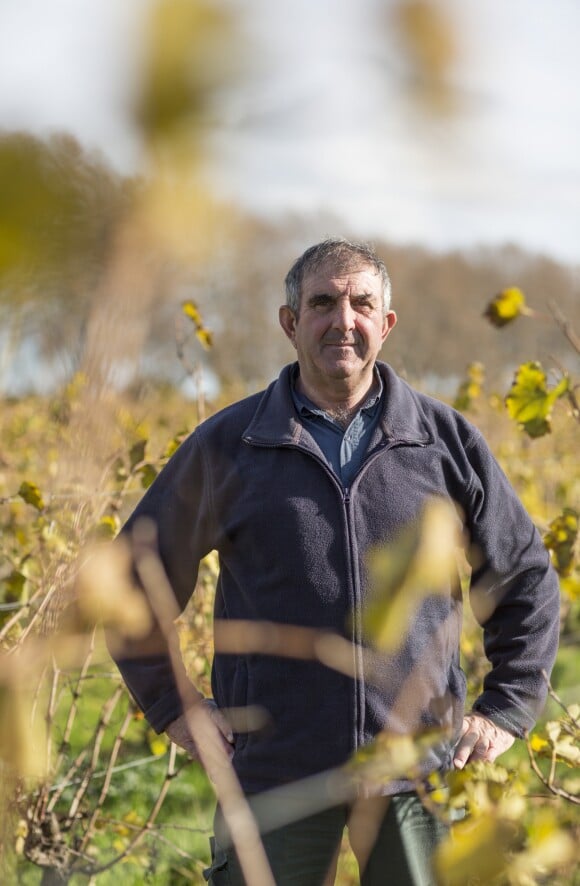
[305, 406]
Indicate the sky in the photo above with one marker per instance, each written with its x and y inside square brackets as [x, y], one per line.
[324, 121]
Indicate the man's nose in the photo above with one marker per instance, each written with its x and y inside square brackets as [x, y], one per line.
[344, 315]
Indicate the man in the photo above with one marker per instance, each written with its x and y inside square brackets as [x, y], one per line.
[294, 487]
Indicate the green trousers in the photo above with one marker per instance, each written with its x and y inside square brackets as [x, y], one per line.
[392, 838]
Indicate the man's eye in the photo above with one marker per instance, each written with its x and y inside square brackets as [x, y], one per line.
[321, 301]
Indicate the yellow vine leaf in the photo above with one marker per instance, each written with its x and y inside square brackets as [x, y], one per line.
[470, 389]
[506, 306]
[157, 743]
[191, 310]
[30, 493]
[560, 540]
[107, 527]
[529, 402]
[570, 586]
[538, 744]
[205, 337]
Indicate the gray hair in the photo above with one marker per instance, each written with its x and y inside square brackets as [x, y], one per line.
[342, 253]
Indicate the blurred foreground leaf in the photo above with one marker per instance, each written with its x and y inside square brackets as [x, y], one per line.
[23, 741]
[428, 37]
[105, 591]
[187, 52]
[421, 561]
[392, 756]
[475, 851]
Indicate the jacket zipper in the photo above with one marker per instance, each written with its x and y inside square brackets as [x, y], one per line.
[356, 637]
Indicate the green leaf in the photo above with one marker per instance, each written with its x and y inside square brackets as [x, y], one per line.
[148, 474]
[506, 306]
[31, 494]
[530, 402]
[14, 587]
[137, 453]
[175, 443]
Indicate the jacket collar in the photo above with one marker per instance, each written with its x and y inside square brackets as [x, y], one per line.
[276, 421]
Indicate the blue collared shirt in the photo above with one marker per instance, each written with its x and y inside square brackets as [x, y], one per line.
[344, 450]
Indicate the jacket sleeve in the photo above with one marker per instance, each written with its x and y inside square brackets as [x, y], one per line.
[514, 593]
[177, 503]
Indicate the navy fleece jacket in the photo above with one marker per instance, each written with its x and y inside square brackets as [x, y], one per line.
[251, 483]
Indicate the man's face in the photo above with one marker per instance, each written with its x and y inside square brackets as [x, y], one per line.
[340, 326]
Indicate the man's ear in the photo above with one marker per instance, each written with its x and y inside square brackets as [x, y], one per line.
[389, 321]
[288, 322]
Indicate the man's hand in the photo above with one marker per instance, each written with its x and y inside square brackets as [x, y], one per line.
[180, 734]
[480, 739]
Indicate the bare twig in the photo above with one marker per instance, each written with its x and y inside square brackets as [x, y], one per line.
[119, 738]
[193, 370]
[565, 325]
[73, 709]
[67, 783]
[18, 615]
[42, 799]
[552, 693]
[104, 721]
[68, 780]
[156, 833]
[160, 826]
[147, 827]
[553, 788]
